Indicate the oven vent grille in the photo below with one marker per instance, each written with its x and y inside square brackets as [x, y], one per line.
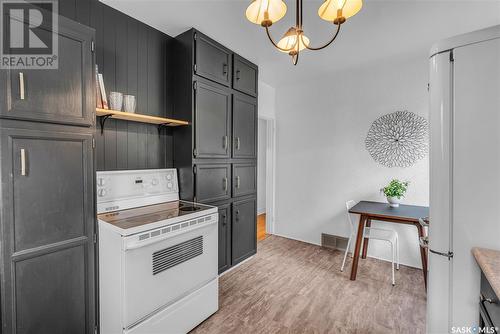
[174, 255]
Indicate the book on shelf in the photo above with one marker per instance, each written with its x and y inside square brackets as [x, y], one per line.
[98, 89]
[103, 92]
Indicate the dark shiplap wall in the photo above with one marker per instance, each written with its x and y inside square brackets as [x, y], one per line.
[132, 57]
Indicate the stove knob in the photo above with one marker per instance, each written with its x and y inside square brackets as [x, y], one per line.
[169, 185]
[169, 177]
[101, 192]
[101, 182]
[154, 182]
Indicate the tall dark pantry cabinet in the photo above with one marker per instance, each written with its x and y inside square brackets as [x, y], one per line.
[47, 124]
[216, 90]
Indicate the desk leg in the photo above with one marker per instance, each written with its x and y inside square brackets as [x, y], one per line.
[423, 253]
[357, 248]
[365, 241]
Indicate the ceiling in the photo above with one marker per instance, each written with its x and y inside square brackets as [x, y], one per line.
[381, 30]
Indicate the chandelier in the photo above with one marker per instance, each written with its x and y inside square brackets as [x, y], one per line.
[267, 12]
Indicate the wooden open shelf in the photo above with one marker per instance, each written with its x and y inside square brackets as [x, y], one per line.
[128, 116]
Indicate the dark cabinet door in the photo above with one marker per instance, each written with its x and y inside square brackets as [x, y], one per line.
[244, 179]
[244, 76]
[492, 310]
[64, 95]
[224, 237]
[212, 121]
[244, 127]
[212, 183]
[244, 230]
[212, 60]
[47, 224]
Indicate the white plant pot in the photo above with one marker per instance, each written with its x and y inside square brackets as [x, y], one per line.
[394, 201]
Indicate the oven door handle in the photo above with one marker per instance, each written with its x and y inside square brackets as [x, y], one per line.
[140, 244]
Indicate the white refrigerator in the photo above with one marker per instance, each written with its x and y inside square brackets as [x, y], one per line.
[464, 173]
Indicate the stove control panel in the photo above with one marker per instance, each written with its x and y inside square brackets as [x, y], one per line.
[146, 186]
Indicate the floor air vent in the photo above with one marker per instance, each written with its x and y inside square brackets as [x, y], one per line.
[333, 241]
[174, 255]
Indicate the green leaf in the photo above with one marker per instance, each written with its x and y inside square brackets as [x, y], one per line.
[395, 188]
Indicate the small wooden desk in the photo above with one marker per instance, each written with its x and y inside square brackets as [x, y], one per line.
[404, 214]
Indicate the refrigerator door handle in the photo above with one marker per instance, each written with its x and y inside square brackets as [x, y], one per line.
[449, 255]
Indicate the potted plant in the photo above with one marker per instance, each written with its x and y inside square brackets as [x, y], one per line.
[394, 191]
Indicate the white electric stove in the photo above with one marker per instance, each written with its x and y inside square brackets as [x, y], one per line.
[157, 255]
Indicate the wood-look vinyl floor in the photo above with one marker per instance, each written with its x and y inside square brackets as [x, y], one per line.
[295, 287]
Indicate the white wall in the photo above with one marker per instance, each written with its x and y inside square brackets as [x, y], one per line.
[321, 156]
[261, 167]
[267, 101]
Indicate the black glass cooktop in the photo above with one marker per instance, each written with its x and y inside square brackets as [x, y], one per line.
[150, 214]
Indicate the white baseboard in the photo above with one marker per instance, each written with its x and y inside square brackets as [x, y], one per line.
[342, 250]
[386, 260]
[297, 239]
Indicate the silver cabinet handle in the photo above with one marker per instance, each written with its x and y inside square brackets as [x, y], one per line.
[224, 182]
[224, 142]
[482, 299]
[224, 69]
[21, 85]
[224, 220]
[238, 143]
[237, 74]
[23, 162]
[237, 182]
[489, 300]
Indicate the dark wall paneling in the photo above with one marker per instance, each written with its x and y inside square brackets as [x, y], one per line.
[132, 57]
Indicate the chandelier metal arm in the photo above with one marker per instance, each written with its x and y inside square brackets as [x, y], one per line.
[295, 58]
[323, 46]
[298, 14]
[276, 44]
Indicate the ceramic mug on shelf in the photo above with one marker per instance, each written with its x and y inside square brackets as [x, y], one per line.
[129, 103]
[115, 101]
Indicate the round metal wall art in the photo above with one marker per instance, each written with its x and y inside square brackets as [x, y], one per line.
[398, 139]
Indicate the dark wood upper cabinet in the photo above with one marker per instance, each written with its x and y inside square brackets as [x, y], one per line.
[244, 179]
[244, 126]
[244, 230]
[212, 60]
[216, 91]
[47, 224]
[61, 95]
[212, 182]
[212, 121]
[244, 76]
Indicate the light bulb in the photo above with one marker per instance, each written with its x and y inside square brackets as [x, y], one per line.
[334, 9]
[266, 12]
[289, 41]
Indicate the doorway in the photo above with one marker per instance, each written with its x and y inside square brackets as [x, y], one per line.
[265, 178]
